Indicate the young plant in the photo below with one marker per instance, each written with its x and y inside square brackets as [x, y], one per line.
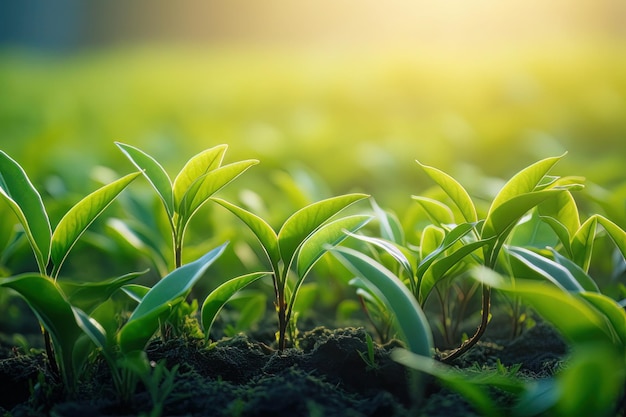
[50, 250]
[301, 241]
[201, 177]
[450, 245]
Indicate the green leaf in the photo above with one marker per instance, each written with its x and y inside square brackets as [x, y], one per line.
[617, 235]
[306, 220]
[544, 268]
[17, 190]
[438, 212]
[582, 243]
[563, 209]
[199, 165]
[431, 239]
[561, 232]
[330, 234]
[411, 322]
[390, 248]
[611, 310]
[88, 295]
[503, 218]
[390, 226]
[154, 173]
[208, 184]
[581, 276]
[575, 318]
[81, 216]
[263, 231]
[216, 300]
[455, 191]
[136, 292]
[450, 239]
[156, 305]
[523, 182]
[441, 266]
[55, 314]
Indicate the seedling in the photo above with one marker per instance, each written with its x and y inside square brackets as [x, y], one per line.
[301, 241]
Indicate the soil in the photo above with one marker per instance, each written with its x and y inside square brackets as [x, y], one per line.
[239, 376]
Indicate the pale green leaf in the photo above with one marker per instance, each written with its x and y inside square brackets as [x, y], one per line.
[306, 220]
[617, 234]
[81, 216]
[199, 165]
[26, 203]
[330, 234]
[390, 226]
[263, 231]
[154, 173]
[390, 248]
[452, 237]
[161, 299]
[610, 309]
[563, 209]
[525, 181]
[581, 276]
[412, 324]
[582, 242]
[208, 184]
[455, 191]
[216, 300]
[438, 212]
[431, 239]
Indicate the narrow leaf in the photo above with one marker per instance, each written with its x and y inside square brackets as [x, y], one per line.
[411, 322]
[390, 226]
[154, 173]
[617, 234]
[81, 216]
[216, 300]
[17, 190]
[563, 209]
[545, 268]
[581, 276]
[263, 231]
[450, 239]
[199, 165]
[610, 309]
[455, 191]
[391, 249]
[159, 301]
[306, 220]
[88, 295]
[582, 243]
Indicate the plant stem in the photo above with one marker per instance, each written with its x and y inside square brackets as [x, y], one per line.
[54, 367]
[486, 304]
[282, 318]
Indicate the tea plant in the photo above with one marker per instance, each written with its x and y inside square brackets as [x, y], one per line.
[450, 245]
[201, 177]
[50, 250]
[301, 241]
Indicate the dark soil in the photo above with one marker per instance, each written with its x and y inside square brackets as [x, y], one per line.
[324, 376]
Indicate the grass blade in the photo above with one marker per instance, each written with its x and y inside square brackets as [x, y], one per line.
[154, 173]
[80, 217]
[216, 300]
[26, 203]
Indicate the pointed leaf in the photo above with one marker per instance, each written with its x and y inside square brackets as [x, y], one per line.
[17, 190]
[450, 239]
[263, 231]
[158, 302]
[208, 184]
[54, 313]
[563, 209]
[330, 234]
[88, 295]
[390, 226]
[306, 220]
[430, 241]
[610, 309]
[544, 268]
[136, 292]
[582, 243]
[617, 234]
[441, 266]
[411, 322]
[216, 300]
[455, 191]
[523, 182]
[80, 217]
[92, 329]
[438, 212]
[391, 249]
[199, 165]
[154, 173]
[581, 276]
[561, 232]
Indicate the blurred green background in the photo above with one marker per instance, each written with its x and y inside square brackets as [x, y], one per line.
[343, 95]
